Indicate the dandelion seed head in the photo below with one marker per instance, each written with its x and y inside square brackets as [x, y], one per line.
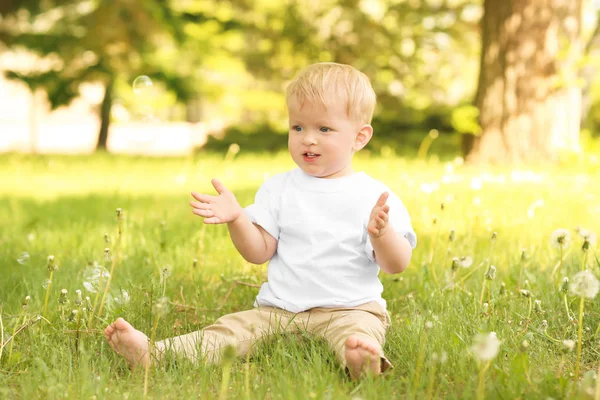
[107, 254]
[584, 284]
[161, 307]
[523, 255]
[491, 273]
[486, 346]
[428, 325]
[587, 236]
[544, 324]
[494, 236]
[465, 261]
[564, 287]
[52, 265]
[452, 235]
[568, 344]
[525, 293]
[560, 238]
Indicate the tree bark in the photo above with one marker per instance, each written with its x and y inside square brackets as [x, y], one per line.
[105, 114]
[528, 96]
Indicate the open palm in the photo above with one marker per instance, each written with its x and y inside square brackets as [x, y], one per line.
[219, 209]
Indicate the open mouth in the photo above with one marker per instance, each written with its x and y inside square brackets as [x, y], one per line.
[310, 156]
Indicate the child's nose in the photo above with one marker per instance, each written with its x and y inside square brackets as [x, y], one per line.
[309, 138]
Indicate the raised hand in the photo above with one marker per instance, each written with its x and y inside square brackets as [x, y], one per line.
[219, 209]
[378, 220]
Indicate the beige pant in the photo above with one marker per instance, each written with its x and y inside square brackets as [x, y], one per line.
[243, 329]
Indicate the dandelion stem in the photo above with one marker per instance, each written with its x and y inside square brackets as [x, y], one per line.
[481, 386]
[579, 335]
[150, 352]
[10, 349]
[47, 295]
[583, 264]
[530, 306]
[225, 380]
[112, 267]
[420, 358]
[560, 263]
[569, 312]
[550, 337]
[434, 248]
[247, 377]
[483, 285]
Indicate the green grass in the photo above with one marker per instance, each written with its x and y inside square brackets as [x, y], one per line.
[64, 205]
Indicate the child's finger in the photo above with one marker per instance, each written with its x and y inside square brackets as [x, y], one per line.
[219, 187]
[213, 220]
[199, 205]
[203, 213]
[202, 197]
[382, 199]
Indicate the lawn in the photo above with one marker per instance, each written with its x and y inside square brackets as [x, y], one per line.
[66, 207]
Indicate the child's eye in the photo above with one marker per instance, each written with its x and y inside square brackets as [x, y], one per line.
[297, 128]
[324, 129]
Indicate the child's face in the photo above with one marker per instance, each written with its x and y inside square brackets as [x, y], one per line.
[323, 140]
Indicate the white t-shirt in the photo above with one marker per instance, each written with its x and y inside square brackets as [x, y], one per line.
[324, 255]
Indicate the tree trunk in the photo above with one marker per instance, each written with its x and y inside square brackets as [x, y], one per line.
[528, 96]
[588, 72]
[105, 114]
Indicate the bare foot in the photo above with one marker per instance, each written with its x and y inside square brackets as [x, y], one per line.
[128, 342]
[362, 357]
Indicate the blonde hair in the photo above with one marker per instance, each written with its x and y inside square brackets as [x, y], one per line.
[328, 82]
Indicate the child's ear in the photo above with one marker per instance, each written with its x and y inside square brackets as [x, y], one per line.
[363, 136]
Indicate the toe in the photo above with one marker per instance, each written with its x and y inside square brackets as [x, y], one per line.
[352, 342]
[121, 325]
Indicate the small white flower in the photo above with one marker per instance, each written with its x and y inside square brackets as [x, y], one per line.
[561, 238]
[486, 346]
[584, 284]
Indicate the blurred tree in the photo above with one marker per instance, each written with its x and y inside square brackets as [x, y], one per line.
[528, 95]
[419, 55]
[84, 41]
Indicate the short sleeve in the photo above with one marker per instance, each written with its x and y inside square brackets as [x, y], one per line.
[399, 220]
[263, 212]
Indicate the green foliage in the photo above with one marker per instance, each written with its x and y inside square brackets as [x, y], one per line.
[464, 119]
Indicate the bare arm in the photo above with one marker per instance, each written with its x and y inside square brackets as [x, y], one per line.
[251, 241]
[392, 250]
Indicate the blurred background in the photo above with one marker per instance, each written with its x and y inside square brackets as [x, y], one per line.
[493, 80]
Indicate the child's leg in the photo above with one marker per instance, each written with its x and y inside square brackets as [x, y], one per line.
[357, 336]
[240, 330]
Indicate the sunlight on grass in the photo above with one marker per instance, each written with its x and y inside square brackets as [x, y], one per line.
[65, 207]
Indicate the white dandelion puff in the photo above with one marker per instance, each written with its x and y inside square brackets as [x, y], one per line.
[584, 284]
[486, 346]
[560, 238]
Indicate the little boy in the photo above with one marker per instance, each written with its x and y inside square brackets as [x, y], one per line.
[325, 230]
